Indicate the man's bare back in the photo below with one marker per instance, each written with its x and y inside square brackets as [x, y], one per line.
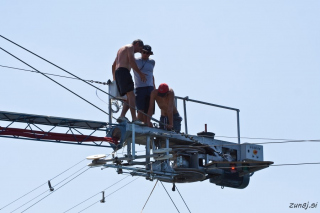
[166, 102]
[122, 59]
[121, 74]
[125, 58]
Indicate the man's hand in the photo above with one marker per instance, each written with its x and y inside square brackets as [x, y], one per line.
[169, 127]
[143, 76]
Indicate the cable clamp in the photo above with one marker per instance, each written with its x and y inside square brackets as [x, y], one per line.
[50, 187]
[174, 187]
[103, 200]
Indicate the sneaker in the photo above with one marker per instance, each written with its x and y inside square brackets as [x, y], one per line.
[138, 122]
[122, 119]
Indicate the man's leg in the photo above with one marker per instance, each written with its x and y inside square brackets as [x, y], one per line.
[177, 122]
[144, 118]
[132, 102]
[125, 108]
[141, 116]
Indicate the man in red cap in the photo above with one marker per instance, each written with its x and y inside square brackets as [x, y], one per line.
[170, 118]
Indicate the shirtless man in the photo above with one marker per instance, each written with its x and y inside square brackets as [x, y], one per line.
[121, 71]
[169, 113]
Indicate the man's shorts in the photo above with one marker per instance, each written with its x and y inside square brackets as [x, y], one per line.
[124, 80]
[143, 98]
[176, 122]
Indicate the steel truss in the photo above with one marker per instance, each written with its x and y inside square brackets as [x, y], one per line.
[35, 125]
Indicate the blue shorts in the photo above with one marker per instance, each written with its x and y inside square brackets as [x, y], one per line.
[143, 98]
[176, 122]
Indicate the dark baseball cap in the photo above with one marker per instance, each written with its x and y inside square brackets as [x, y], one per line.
[148, 49]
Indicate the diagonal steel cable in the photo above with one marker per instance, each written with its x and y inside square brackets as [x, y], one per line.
[108, 195]
[149, 196]
[47, 190]
[97, 193]
[55, 81]
[75, 76]
[170, 197]
[41, 185]
[55, 190]
[183, 199]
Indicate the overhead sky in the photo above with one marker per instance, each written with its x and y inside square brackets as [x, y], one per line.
[261, 57]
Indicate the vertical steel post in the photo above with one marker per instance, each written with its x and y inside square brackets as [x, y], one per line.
[133, 142]
[109, 104]
[148, 152]
[153, 146]
[129, 147]
[185, 115]
[238, 126]
[167, 146]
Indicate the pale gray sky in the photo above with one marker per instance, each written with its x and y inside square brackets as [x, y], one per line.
[259, 56]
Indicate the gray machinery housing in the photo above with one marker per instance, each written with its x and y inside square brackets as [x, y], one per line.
[181, 158]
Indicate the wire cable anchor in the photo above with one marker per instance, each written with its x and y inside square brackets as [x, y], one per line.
[103, 200]
[50, 187]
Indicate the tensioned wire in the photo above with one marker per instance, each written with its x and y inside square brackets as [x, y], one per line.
[52, 191]
[108, 195]
[96, 194]
[56, 189]
[76, 78]
[62, 76]
[170, 196]
[54, 81]
[42, 185]
[251, 138]
[73, 76]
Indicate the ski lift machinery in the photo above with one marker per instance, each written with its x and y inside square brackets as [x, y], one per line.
[169, 156]
[180, 157]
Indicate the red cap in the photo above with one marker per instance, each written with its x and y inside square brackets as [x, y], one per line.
[163, 89]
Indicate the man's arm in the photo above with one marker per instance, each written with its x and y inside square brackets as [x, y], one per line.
[134, 65]
[114, 69]
[151, 107]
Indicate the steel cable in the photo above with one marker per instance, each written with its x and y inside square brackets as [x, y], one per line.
[97, 193]
[108, 195]
[170, 197]
[75, 76]
[62, 76]
[55, 190]
[183, 199]
[41, 185]
[55, 81]
[149, 196]
[47, 190]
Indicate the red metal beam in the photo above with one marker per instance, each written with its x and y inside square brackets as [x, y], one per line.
[54, 136]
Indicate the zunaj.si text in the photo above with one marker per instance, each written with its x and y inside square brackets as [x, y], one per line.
[303, 205]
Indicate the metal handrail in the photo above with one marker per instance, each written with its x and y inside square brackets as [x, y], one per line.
[210, 104]
[185, 110]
